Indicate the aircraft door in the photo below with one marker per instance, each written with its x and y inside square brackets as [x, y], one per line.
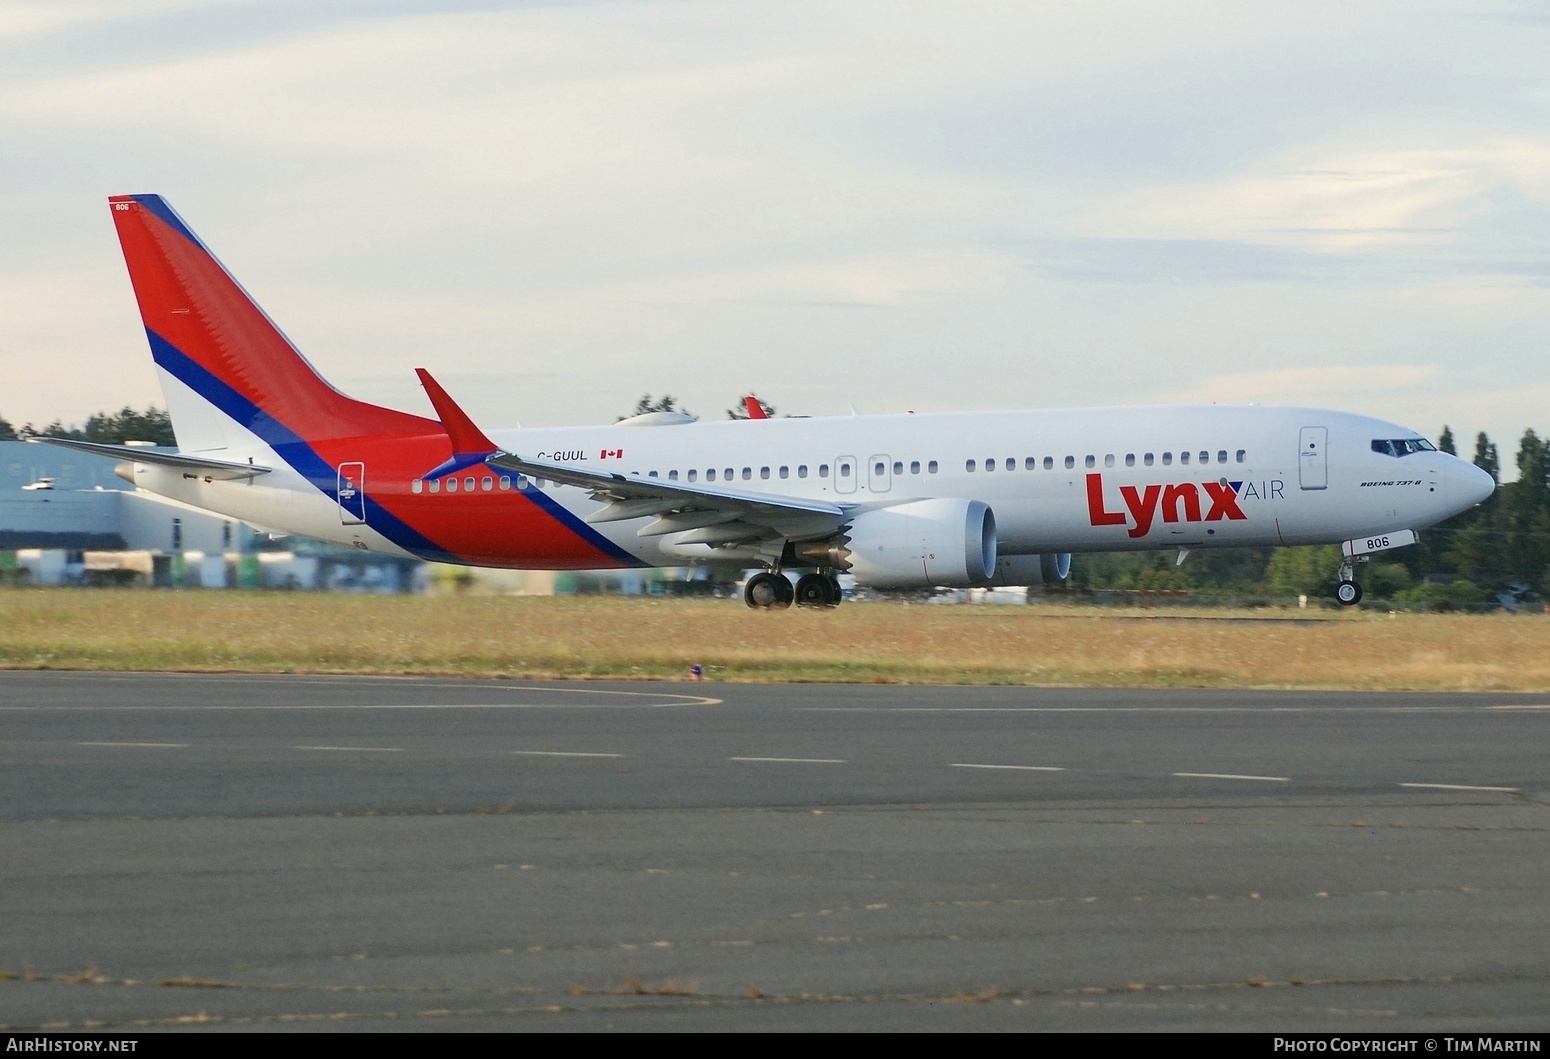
[879, 480]
[352, 494]
[1312, 459]
[845, 474]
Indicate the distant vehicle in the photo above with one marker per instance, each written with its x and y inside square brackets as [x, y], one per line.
[41, 483]
[898, 501]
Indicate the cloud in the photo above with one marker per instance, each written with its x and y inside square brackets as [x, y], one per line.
[1034, 204]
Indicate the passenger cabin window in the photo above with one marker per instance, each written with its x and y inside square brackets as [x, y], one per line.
[1167, 459]
[451, 485]
[1221, 455]
[1241, 454]
[931, 467]
[416, 485]
[747, 473]
[844, 470]
[1049, 463]
[968, 465]
[823, 470]
[880, 468]
[506, 481]
[468, 483]
[898, 467]
[1147, 459]
[785, 472]
[1070, 462]
[693, 474]
[914, 466]
[764, 472]
[1092, 461]
[1205, 457]
[1108, 460]
[801, 470]
[487, 484]
[1030, 463]
[1184, 458]
[1130, 459]
[710, 474]
[990, 465]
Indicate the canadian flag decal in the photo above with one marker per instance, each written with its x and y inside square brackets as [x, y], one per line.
[611, 454]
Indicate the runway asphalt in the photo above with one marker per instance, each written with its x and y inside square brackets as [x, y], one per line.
[363, 853]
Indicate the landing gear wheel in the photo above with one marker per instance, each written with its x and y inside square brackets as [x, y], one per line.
[767, 592]
[817, 590]
[1349, 593]
[836, 594]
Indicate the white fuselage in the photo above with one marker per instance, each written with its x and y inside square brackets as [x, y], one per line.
[1166, 476]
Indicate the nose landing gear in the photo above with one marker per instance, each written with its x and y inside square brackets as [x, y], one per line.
[1347, 591]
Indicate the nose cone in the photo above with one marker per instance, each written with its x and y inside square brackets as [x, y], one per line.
[1468, 485]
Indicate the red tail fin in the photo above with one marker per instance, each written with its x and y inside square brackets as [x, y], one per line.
[210, 336]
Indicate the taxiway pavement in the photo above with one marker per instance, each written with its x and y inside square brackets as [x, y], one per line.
[185, 850]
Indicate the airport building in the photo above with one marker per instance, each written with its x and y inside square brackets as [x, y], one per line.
[67, 518]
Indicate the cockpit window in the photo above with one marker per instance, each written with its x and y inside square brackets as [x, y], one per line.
[1401, 446]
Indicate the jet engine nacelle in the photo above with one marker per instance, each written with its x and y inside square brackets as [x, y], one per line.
[922, 544]
[1016, 570]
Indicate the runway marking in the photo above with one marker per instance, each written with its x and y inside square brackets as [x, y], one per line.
[1016, 768]
[559, 753]
[223, 708]
[360, 749]
[1145, 709]
[1525, 706]
[794, 760]
[1231, 776]
[1459, 787]
[165, 746]
[271, 679]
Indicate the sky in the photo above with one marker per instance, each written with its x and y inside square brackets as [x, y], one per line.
[558, 207]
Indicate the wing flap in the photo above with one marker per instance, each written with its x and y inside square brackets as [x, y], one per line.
[680, 506]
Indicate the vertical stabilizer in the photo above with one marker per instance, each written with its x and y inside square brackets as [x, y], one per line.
[223, 363]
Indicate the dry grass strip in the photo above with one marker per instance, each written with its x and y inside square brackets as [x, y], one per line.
[646, 638]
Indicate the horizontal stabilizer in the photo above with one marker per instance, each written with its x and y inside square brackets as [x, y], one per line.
[198, 466]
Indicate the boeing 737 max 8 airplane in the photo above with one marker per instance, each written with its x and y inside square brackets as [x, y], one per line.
[898, 501]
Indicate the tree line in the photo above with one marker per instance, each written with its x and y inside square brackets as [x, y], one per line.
[110, 428]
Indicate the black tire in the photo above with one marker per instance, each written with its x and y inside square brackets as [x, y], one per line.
[816, 590]
[836, 594]
[1348, 593]
[767, 592]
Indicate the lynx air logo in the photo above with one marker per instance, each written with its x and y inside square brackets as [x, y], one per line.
[1181, 502]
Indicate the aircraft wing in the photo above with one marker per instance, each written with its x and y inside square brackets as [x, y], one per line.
[197, 466]
[708, 516]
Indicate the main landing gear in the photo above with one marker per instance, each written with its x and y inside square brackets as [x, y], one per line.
[818, 590]
[771, 591]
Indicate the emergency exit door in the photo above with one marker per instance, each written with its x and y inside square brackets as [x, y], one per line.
[1312, 460]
